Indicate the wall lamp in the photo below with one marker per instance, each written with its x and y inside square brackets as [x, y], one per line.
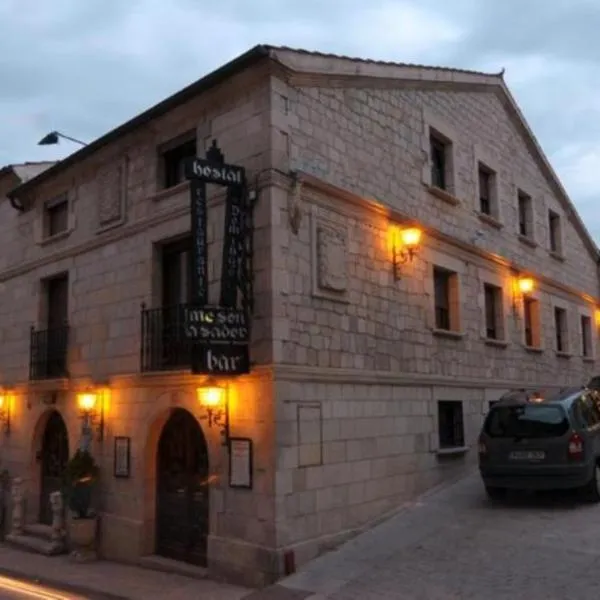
[522, 287]
[213, 398]
[406, 245]
[6, 402]
[54, 137]
[91, 408]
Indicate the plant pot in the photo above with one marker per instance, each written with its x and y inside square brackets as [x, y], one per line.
[82, 533]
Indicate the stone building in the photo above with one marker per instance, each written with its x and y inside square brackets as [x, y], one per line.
[414, 256]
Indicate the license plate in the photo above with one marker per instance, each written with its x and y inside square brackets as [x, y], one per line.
[528, 455]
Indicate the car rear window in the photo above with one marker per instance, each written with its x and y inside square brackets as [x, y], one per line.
[526, 421]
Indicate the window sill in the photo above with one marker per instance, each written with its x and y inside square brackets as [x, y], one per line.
[454, 335]
[563, 354]
[172, 191]
[588, 359]
[56, 237]
[528, 241]
[534, 349]
[556, 256]
[490, 220]
[495, 342]
[454, 451]
[443, 195]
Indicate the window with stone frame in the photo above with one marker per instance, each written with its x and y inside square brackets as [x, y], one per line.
[561, 330]
[554, 232]
[440, 155]
[494, 312]
[56, 217]
[487, 191]
[451, 427]
[525, 213]
[173, 159]
[586, 336]
[446, 299]
[531, 322]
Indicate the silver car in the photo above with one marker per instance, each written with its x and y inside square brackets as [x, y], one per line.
[542, 440]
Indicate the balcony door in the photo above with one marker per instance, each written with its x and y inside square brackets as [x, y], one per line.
[58, 301]
[176, 275]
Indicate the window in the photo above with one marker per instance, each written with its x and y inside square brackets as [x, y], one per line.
[554, 232]
[487, 195]
[174, 161]
[176, 273]
[525, 215]
[525, 421]
[445, 285]
[56, 217]
[439, 149]
[560, 329]
[531, 318]
[451, 429]
[586, 336]
[493, 312]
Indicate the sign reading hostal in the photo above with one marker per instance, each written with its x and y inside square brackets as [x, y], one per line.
[220, 335]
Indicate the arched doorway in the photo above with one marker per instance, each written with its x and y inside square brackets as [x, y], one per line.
[182, 490]
[54, 455]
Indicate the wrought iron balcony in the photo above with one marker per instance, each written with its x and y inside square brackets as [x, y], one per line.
[48, 353]
[164, 347]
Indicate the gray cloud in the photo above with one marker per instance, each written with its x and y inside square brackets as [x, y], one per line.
[85, 67]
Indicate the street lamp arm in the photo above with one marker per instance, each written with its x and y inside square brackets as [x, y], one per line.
[52, 138]
[71, 139]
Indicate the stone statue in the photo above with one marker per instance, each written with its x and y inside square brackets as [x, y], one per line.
[17, 506]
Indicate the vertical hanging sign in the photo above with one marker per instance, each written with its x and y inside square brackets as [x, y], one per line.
[220, 335]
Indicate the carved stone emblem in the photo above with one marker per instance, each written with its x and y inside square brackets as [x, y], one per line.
[110, 195]
[331, 257]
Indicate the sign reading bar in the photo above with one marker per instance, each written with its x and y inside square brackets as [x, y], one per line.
[224, 359]
[207, 171]
[216, 324]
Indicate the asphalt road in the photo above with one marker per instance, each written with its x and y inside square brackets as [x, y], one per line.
[13, 589]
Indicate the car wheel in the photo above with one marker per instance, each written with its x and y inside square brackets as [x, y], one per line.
[495, 493]
[592, 489]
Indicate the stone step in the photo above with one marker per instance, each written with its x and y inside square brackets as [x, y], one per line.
[35, 544]
[39, 530]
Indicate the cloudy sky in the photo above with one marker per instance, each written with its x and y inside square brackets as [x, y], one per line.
[84, 66]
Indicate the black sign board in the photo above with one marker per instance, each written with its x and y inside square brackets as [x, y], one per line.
[220, 335]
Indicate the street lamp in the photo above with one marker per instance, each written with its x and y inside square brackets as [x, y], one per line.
[53, 138]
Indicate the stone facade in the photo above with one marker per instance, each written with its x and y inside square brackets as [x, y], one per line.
[349, 364]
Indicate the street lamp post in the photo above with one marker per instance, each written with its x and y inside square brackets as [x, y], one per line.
[53, 138]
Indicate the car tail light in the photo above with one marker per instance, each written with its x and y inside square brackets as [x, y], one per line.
[575, 447]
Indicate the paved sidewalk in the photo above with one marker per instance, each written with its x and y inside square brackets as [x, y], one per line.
[112, 581]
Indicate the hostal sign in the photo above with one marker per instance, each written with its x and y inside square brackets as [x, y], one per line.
[220, 334]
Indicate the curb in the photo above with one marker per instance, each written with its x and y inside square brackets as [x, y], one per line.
[61, 585]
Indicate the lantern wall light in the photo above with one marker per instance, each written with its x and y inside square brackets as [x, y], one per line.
[213, 398]
[6, 401]
[526, 285]
[406, 245]
[91, 407]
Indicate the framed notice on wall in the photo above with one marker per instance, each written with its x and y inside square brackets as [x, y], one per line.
[240, 463]
[122, 458]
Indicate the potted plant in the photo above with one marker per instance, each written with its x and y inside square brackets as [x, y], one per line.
[81, 476]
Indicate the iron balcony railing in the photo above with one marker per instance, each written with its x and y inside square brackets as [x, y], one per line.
[164, 347]
[48, 353]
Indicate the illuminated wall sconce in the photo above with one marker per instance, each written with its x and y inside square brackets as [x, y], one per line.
[597, 317]
[406, 244]
[213, 399]
[525, 285]
[522, 287]
[91, 407]
[6, 401]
